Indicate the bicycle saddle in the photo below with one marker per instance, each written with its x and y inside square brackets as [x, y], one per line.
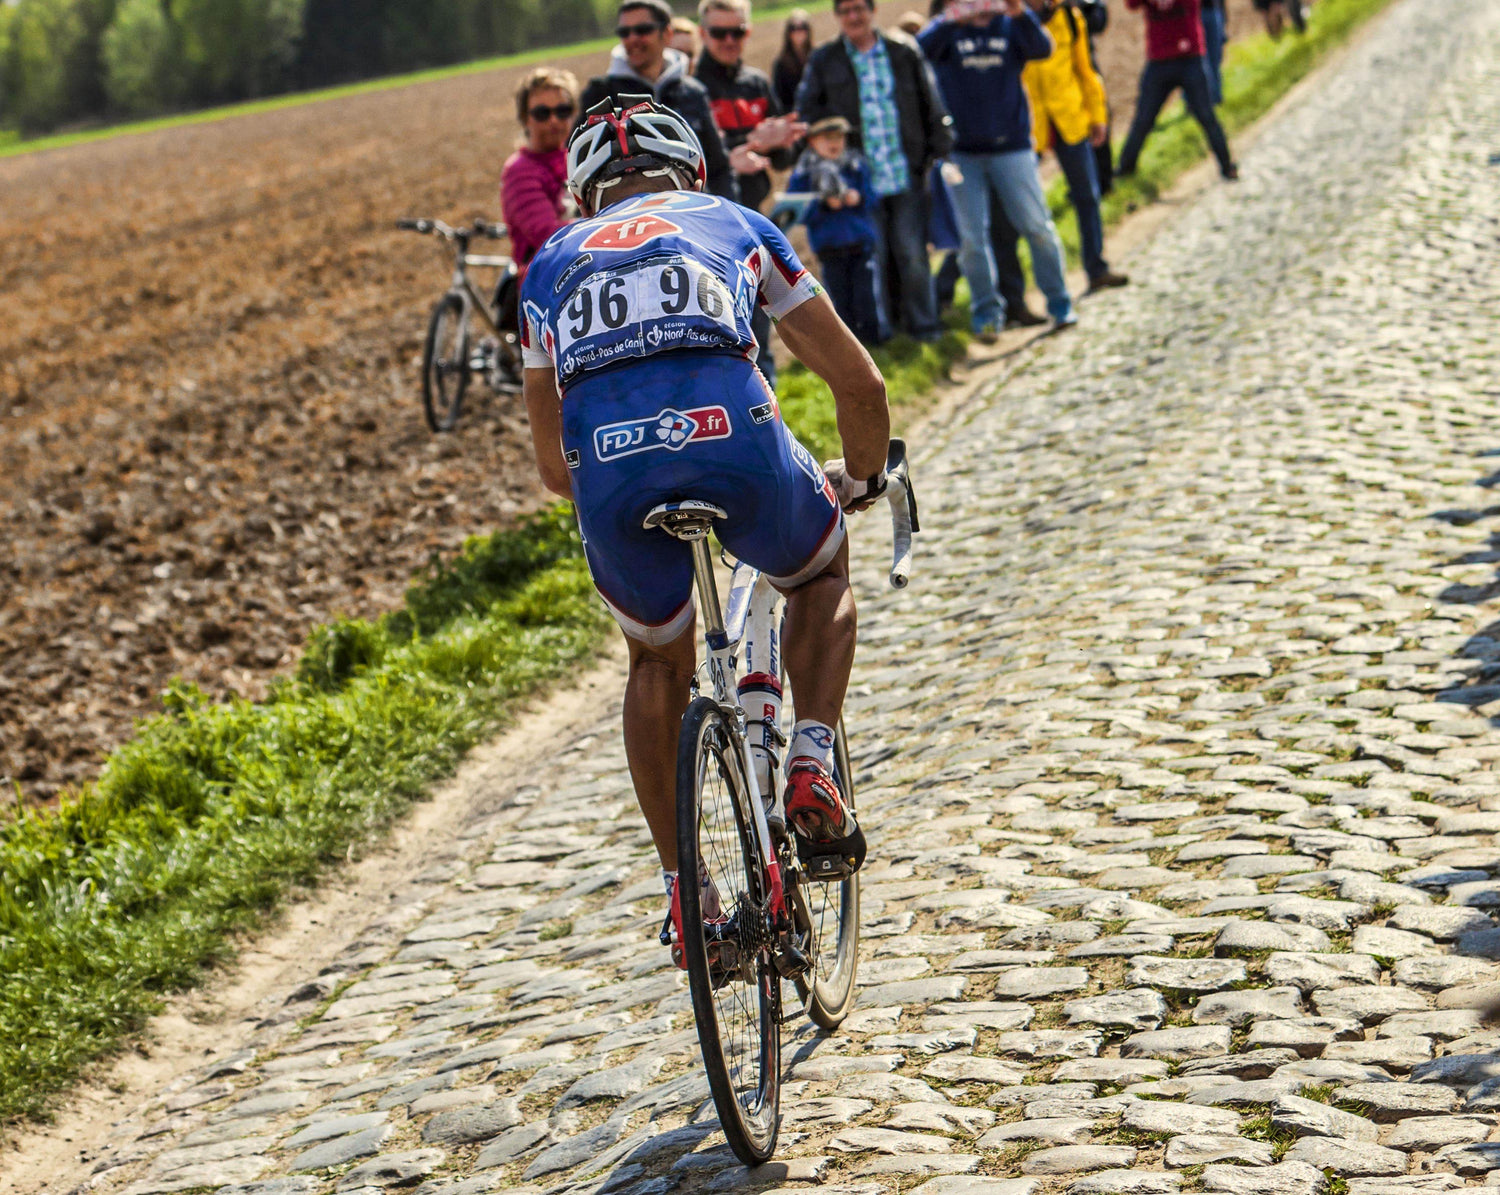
[688, 519]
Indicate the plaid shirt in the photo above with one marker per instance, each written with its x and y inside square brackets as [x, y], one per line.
[880, 123]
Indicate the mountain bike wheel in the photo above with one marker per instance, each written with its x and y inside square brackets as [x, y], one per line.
[735, 988]
[445, 364]
[833, 907]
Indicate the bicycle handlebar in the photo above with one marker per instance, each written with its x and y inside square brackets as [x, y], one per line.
[480, 228]
[904, 520]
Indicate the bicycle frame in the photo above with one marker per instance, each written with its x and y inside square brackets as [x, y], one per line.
[721, 671]
[462, 286]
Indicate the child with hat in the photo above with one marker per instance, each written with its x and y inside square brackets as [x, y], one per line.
[839, 226]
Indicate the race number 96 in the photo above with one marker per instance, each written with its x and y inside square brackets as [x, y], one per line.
[651, 292]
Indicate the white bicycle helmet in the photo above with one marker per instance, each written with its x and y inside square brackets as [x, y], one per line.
[642, 137]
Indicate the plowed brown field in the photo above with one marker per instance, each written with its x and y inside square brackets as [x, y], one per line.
[210, 433]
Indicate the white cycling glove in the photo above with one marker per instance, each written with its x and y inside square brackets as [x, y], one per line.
[853, 493]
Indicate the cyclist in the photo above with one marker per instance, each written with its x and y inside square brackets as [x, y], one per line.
[641, 388]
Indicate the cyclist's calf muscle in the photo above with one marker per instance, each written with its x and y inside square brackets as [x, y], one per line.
[656, 697]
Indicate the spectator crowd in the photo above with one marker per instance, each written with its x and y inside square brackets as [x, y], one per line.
[925, 137]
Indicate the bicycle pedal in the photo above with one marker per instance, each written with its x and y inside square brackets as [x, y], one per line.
[836, 860]
[823, 868]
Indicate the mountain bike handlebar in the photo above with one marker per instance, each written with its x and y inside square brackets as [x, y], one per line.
[480, 228]
[904, 520]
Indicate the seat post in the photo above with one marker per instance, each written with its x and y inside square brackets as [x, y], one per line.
[708, 595]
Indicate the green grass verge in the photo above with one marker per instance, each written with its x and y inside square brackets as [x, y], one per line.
[11, 142]
[215, 811]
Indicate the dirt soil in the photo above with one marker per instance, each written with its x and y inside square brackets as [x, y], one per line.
[210, 424]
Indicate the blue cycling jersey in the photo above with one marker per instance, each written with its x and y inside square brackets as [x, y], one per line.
[653, 274]
[644, 315]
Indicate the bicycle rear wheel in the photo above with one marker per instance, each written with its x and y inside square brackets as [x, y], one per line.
[445, 364]
[735, 988]
[832, 906]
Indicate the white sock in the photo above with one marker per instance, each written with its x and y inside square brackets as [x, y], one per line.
[669, 881]
[812, 740]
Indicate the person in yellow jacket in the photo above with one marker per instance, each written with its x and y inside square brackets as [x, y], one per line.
[1069, 116]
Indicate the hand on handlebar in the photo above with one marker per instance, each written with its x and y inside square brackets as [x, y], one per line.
[853, 493]
[892, 483]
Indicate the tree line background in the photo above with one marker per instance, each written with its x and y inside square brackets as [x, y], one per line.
[72, 61]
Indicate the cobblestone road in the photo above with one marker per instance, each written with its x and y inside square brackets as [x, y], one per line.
[1179, 760]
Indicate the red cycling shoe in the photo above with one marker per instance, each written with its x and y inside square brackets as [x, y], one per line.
[812, 802]
[829, 841]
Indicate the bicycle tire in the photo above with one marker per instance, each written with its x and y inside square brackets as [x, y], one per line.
[445, 365]
[828, 994]
[740, 1037]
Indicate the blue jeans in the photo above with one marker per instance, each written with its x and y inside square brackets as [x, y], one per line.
[1213, 34]
[1158, 81]
[849, 278]
[901, 224]
[1012, 177]
[1082, 173]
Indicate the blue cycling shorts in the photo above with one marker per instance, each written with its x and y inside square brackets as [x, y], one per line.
[689, 425]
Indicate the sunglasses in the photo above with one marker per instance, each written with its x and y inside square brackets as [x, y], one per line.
[799, 28]
[558, 112]
[644, 29]
[722, 32]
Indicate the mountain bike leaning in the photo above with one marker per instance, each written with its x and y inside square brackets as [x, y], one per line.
[451, 352]
[647, 410]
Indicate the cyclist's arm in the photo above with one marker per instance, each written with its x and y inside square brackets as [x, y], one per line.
[544, 408]
[822, 342]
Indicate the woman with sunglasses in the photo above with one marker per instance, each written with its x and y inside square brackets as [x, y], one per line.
[533, 183]
[796, 49]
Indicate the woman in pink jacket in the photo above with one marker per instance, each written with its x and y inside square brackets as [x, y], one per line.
[533, 183]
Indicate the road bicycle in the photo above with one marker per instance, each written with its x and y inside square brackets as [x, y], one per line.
[787, 909]
[451, 354]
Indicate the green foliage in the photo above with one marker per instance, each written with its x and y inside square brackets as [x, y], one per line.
[487, 567]
[72, 59]
[46, 37]
[213, 810]
[142, 59]
[237, 48]
[340, 651]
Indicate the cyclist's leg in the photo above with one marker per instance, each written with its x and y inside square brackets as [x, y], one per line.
[791, 528]
[645, 578]
[656, 697]
[818, 643]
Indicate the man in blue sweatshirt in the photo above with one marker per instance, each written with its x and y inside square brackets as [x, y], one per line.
[977, 49]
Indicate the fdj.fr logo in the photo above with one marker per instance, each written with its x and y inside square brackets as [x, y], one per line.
[668, 429]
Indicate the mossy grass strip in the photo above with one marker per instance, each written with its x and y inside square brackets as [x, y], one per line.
[213, 812]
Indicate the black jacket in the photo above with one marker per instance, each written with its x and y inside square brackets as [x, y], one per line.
[741, 98]
[786, 73]
[677, 90]
[830, 88]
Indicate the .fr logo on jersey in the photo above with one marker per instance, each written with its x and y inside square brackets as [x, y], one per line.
[629, 233]
[667, 429]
